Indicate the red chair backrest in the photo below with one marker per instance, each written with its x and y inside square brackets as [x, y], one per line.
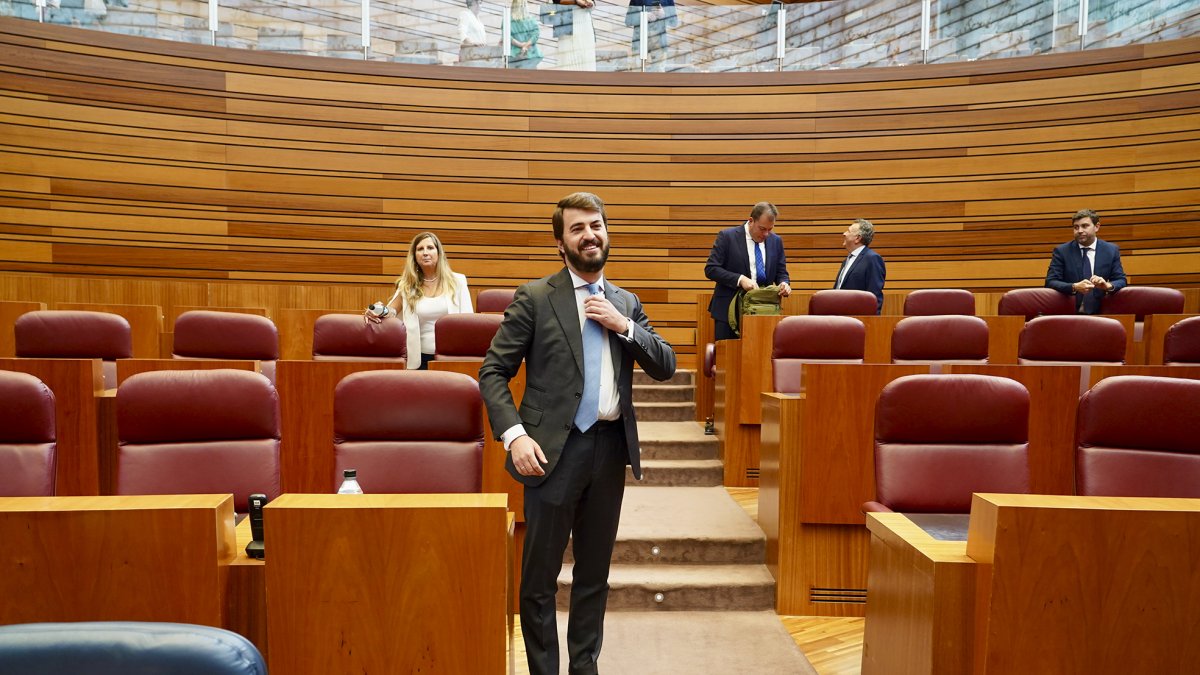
[28, 435]
[346, 337]
[72, 334]
[1035, 302]
[940, 338]
[1138, 437]
[1143, 300]
[934, 301]
[1074, 338]
[813, 339]
[198, 431]
[843, 303]
[1181, 345]
[494, 299]
[409, 431]
[204, 334]
[940, 438]
[465, 337]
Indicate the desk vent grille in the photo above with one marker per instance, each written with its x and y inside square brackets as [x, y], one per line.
[752, 473]
[854, 596]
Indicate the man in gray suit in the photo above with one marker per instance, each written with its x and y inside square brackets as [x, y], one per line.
[575, 432]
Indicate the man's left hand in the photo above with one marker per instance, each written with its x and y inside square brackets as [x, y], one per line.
[784, 290]
[600, 310]
[1100, 282]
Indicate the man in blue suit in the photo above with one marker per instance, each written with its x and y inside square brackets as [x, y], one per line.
[1087, 267]
[863, 268]
[745, 257]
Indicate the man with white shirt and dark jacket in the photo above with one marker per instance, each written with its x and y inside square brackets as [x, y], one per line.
[1087, 267]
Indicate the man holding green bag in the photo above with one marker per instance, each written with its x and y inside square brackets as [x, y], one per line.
[744, 258]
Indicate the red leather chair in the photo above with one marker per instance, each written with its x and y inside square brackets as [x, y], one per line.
[1137, 437]
[465, 337]
[1181, 345]
[196, 432]
[71, 334]
[814, 339]
[935, 301]
[842, 302]
[346, 337]
[941, 438]
[1143, 300]
[409, 431]
[940, 339]
[1035, 302]
[1071, 339]
[203, 334]
[28, 438]
[494, 299]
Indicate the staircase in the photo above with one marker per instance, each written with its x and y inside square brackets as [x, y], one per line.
[683, 543]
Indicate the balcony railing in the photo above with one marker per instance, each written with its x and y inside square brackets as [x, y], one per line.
[686, 38]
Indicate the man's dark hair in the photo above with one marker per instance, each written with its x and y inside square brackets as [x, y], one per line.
[584, 201]
[1086, 213]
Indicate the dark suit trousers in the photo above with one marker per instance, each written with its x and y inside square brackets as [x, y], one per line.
[580, 500]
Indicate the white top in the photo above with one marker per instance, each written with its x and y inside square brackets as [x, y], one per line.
[429, 310]
[471, 30]
[750, 244]
[849, 264]
[459, 304]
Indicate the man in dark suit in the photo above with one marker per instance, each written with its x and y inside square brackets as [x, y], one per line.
[863, 268]
[1087, 267]
[744, 258]
[575, 432]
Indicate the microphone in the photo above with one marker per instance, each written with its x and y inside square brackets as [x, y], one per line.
[255, 548]
[379, 309]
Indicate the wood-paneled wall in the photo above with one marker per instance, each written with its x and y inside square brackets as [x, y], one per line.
[190, 175]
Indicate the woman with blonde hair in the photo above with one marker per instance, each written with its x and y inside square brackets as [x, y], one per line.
[426, 291]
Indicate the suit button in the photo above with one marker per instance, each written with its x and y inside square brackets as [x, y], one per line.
[578, 395]
[566, 427]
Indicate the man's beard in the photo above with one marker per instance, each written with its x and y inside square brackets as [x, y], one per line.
[587, 265]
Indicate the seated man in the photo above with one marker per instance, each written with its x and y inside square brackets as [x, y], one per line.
[1087, 267]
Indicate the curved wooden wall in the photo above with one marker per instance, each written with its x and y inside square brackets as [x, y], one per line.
[303, 179]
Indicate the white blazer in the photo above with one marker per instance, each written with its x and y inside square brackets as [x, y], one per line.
[459, 304]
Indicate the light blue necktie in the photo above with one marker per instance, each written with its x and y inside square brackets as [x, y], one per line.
[593, 346]
[759, 268]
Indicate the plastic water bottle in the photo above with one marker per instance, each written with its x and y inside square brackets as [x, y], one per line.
[350, 484]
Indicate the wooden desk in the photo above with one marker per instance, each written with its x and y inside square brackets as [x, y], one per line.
[743, 372]
[387, 583]
[10, 310]
[306, 461]
[1043, 584]
[151, 558]
[145, 322]
[76, 384]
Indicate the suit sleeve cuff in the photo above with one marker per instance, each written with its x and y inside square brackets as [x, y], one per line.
[511, 434]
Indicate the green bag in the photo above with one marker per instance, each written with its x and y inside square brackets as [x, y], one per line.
[762, 301]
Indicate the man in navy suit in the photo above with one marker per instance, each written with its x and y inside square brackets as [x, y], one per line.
[745, 257]
[1087, 267]
[863, 268]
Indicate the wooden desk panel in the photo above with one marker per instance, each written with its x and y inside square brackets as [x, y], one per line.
[1085, 585]
[145, 322]
[306, 462]
[76, 384]
[409, 583]
[921, 592]
[246, 593]
[495, 477]
[296, 331]
[9, 311]
[878, 348]
[1154, 333]
[1004, 335]
[147, 558]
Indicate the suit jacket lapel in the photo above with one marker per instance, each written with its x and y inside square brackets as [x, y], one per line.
[562, 301]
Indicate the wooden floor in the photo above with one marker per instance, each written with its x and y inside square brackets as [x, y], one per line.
[832, 644]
